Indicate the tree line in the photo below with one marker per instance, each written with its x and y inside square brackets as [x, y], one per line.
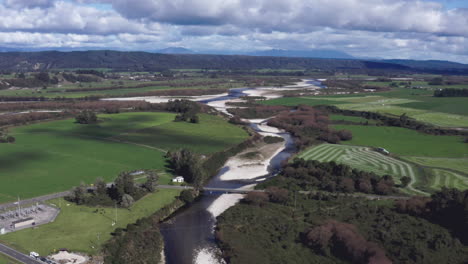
[451, 92]
[401, 121]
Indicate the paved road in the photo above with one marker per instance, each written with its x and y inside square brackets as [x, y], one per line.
[38, 199]
[17, 255]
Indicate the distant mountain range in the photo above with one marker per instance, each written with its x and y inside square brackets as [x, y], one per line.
[313, 53]
[181, 58]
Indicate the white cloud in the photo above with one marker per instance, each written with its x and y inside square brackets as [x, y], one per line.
[379, 28]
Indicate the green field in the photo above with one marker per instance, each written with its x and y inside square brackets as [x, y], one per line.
[406, 142]
[355, 119]
[457, 164]
[448, 179]
[418, 104]
[365, 159]
[54, 156]
[82, 228]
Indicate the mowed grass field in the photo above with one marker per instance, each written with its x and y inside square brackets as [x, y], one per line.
[84, 229]
[443, 178]
[54, 156]
[365, 159]
[423, 180]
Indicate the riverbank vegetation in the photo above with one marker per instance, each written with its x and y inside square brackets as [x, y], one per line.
[308, 228]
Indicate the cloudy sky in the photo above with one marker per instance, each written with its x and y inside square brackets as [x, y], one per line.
[416, 29]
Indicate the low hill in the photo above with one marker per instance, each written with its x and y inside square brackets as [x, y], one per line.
[144, 61]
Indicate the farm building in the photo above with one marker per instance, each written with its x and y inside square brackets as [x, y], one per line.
[178, 179]
[23, 223]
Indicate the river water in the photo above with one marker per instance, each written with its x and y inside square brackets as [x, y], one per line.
[189, 234]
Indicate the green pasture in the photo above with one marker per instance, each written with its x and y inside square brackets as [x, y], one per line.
[418, 104]
[355, 119]
[406, 142]
[84, 229]
[54, 156]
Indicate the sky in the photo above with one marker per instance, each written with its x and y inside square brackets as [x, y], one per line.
[406, 29]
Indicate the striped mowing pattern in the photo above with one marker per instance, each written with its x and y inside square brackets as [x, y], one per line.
[361, 158]
[365, 159]
[443, 178]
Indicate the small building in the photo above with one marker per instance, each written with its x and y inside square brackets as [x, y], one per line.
[384, 151]
[178, 179]
[26, 222]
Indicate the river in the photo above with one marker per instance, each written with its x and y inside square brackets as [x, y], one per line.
[189, 234]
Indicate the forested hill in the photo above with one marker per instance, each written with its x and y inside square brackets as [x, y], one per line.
[144, 61]
[134, 61]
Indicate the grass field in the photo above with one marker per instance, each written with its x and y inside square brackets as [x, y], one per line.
[457, 164]
[406, 142]
[444, 178]
[365, 159]
[84, 229]
[418, 104]
[355, 119]
[54, 156]
[423, 179]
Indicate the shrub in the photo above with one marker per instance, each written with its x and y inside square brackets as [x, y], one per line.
[86, 117]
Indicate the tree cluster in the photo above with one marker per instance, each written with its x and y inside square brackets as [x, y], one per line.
[332, 177]
[86, 117]
[344, 240]
[5, 138]
[124, 191]
[308, 125]
[187, 110]
[448, 208]
[188, 165]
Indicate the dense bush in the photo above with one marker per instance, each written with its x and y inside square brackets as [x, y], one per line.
[308, 126]
[448, 208]
[332, 177]
[86, 117]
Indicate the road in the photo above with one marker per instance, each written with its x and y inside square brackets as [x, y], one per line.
[38, 199]
[17, 255]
